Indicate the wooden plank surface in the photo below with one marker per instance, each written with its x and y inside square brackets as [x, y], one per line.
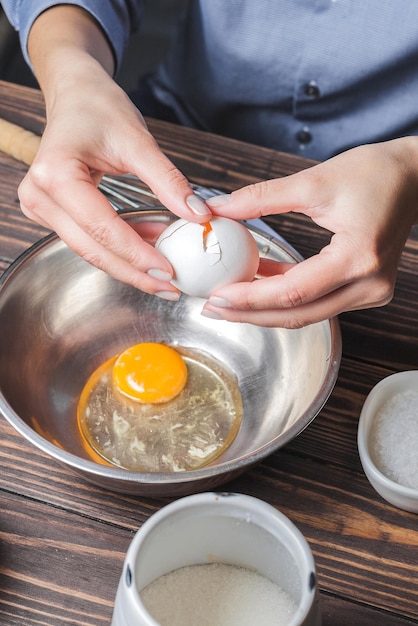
[62, 540]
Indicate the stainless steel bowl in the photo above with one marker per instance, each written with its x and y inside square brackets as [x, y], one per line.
[60, 318]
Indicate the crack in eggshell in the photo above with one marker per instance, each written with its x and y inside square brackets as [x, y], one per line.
[213, 247]
[164, 236]
[210, 242]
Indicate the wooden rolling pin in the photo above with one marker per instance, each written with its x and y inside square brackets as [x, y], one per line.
[17, 142]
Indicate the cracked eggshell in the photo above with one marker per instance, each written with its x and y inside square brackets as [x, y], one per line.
[206, 261]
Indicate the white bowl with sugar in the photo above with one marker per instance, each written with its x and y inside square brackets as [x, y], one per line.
[388, 439]
[218, 558]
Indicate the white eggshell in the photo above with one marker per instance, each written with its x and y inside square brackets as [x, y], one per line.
[202, 264]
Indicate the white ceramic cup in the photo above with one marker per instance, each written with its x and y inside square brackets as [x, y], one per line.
[218, 527]
[396, 494]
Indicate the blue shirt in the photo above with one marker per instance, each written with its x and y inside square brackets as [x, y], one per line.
[312, 77]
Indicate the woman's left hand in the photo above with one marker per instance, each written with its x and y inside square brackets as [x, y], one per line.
[368, 198]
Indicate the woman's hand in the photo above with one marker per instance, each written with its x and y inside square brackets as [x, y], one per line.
[367, 197]
[93, 128]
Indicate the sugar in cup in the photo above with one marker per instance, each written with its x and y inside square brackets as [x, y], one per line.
[388, 439]
[218, 558]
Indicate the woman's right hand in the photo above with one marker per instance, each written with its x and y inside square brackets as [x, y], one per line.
[93, 128]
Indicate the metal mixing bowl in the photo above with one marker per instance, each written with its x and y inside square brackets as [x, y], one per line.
[60, 318]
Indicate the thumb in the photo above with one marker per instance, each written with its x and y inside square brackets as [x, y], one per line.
[279, 195]
[169, 184]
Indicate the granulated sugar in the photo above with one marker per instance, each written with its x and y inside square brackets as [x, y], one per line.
[216, 594]
[394, 439]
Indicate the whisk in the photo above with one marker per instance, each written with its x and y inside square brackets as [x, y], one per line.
[128, 192]
[124, 191]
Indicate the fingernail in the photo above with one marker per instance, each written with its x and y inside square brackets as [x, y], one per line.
[210, 314]
[219, 302]
[219, 200]
[160, 275]
[197, 205]
[168, 295]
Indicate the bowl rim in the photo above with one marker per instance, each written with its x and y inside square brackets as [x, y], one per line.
[384, 389]
[236, 465]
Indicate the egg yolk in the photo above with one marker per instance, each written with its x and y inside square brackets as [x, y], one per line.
[207, 227]
[150, 373]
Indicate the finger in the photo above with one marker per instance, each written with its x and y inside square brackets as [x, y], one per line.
[337, 265]
[327, 307]
[105, 259]
[94, 216]
[168, 183]
[315, 289]
[300, 284]
[291, 193]
[270, 267]
[149, 231]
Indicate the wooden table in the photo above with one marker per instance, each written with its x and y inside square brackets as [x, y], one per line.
[63, 541]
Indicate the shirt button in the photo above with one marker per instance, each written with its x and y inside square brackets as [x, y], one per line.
[304, 136]
[311, 90]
